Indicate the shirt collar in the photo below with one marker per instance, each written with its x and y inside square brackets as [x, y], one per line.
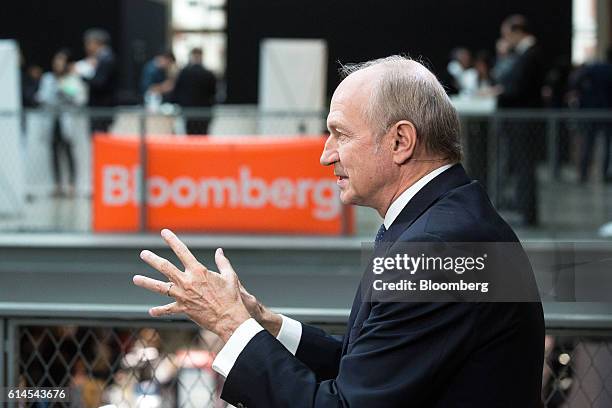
[400, 202]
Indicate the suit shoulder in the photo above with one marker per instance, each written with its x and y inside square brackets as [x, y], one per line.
[466, 214]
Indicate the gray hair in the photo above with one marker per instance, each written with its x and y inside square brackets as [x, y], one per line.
[407, 90]
[98, 35]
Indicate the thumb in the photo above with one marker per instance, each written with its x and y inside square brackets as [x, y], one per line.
[225, 267]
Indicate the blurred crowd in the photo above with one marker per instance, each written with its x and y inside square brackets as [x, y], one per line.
[518, 77]
[93, 81]
[515, 75]
[124, 367]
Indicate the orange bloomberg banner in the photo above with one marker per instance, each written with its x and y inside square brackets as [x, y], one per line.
[250, 185]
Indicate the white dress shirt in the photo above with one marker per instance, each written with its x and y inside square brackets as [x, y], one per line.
[289, 336]
[291, 330]
[400, 202]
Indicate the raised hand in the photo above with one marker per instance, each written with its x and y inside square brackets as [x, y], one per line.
[212, 300]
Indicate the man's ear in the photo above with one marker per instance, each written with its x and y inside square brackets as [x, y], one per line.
[404, 138]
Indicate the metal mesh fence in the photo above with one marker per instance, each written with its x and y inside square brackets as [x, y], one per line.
[126, 366]
[169, 365]
[546, 171]
[578, 370]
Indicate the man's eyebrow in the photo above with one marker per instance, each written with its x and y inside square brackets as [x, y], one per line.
[331, 125]
[335, 127]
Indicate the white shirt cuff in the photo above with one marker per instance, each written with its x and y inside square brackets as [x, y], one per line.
[290, 334]
[228, 355]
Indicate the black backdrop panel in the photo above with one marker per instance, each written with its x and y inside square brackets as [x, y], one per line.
[42, 26]
[358, 30]
[143, 34]
[138, 28]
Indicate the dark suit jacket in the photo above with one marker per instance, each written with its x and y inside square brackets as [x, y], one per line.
[410, 354]
[594, 85]
[195, 86]
[523, 84]
[103, 85]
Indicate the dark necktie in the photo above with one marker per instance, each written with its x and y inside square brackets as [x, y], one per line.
[379, 235]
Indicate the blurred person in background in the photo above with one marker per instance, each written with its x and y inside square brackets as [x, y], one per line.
[593, 86]
[522, 89]
[195, 86]
[504, 61]
[61, 89]
[482, 65]
[526, 73]
[556, 83]
[30, 81]
[156, 79]
[99, 70]
[555, 94]
[465, 76]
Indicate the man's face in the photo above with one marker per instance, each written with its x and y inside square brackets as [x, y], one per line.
[91, 47]
[59, 63]
[511, 37]
[362, 164]
[195, 58]
[464, 58]
[163, 62]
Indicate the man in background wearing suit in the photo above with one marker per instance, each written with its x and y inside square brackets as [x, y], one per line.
[195, 86]
[394, 146]
[522, 89]
[592, 84]
[99, 70]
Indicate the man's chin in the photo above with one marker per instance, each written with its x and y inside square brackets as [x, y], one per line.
[347, 198]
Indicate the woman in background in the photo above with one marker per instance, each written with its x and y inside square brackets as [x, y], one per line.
[60, 90]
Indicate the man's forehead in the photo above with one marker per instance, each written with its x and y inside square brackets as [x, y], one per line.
[358, 80]
[349, 98]
[341, 108]
[354, 89]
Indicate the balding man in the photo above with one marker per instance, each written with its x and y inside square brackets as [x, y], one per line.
[394, 145]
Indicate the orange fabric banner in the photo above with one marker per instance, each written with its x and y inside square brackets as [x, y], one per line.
[244, 185]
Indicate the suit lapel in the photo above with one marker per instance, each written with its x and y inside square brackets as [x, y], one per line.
[425, 198]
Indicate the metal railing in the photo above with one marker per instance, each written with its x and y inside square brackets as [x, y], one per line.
[540, 167]
[148, 363]
[46, 175]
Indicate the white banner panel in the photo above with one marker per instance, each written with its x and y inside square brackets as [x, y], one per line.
[11, 156]
[292, 77]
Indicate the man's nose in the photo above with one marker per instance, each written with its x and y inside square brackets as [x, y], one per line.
[330, 152]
